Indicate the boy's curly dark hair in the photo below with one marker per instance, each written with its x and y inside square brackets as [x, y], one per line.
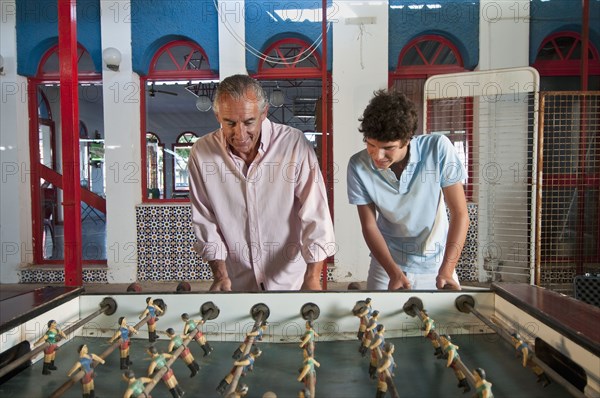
[390, 116]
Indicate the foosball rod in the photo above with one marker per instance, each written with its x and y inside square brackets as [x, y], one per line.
[108, 306]
[465, 303]
[79, 375]
[209, 311]
[311, 312]
[414, 306]
[259, 312]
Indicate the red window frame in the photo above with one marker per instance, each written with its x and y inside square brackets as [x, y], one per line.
[566, 64]
[286, 53]
[181, 71]
[38, 170]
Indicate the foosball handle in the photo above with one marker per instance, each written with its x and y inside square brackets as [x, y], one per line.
[310, 311]
[260, 311]
[209, 311]
[465, 303]
[411, 304]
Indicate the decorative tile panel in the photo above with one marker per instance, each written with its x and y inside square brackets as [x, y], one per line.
[165, 240]
[467, 268]
[44, 275]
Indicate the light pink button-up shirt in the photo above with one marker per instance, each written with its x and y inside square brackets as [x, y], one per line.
[267, 220]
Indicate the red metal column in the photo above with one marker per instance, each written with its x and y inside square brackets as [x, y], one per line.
[585, 43]
[69, 114]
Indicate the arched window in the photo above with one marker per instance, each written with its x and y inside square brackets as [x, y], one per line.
[181, 155]
[421, 58]
[560, 55]
[49, 67]
[295, 56]
[429, 55]
[178, 75]
[156, 169]
[180, 59]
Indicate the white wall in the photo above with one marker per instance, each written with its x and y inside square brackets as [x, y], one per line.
[232, 30]
[358, 70]
[122, 147]
[15, 234]
[507, 22]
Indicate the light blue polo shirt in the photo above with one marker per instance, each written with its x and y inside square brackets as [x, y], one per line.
[411, 212]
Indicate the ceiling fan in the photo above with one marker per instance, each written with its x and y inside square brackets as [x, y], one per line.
[152, 91]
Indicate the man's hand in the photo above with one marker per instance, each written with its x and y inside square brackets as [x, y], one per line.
[312, 277]
[399, 281]
[221, 282]
[446, 282]
[221, 285]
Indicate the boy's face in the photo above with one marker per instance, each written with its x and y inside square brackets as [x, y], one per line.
[385, 153]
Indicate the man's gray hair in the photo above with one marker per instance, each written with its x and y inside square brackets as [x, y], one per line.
[236, 87]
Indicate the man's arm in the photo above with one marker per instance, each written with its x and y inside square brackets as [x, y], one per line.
[456, 202]
[379, 248]
[221, 281]
[312, 277]
[209, 243]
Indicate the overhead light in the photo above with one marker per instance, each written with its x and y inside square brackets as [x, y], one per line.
[277, 98]
[112, 58]
[204, 94]
[203, 103]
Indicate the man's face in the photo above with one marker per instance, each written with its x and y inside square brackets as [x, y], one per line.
[385, 154]
[241, 122]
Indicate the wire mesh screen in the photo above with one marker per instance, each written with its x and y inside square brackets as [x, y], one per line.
[569, 234]
[491, 117]
[494, 139]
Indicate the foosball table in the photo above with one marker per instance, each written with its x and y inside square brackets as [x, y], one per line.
[512, 340]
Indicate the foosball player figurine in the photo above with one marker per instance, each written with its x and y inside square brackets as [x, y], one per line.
[378, 341]
[483, 388]
[387, 363]
[258, 336]
[51, 337]
[158, 362]
[123, 334]
[429, 332]
[363, 316]
[136, 387]
[308, 375]
[189, 326]
[308, 340]
[153, 310]
[526, 353]
[85, 363]
[186, 355]
[248, 365]
[369, 332]
[451, 351]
